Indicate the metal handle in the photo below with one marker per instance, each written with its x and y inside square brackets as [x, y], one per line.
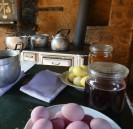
[68, 31]
[55, 64]
[29, 56]
[19, 43]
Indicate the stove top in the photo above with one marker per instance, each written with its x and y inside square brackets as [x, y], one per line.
[72, 50]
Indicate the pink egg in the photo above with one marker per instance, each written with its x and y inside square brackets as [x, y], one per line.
[72, 112]
[78, 125]
[59, 115]
[87, 119]
[58, 123]
[39, 112]
[99, 123]
[42, 124]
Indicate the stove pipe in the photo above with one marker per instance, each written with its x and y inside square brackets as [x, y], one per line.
[82, 20]
[19, 14]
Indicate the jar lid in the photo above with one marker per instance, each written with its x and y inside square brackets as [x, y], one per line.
[101, 47]
[108, 70]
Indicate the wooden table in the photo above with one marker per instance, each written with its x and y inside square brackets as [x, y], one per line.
[15, 106]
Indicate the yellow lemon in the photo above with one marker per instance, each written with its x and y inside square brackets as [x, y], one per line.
[71, 76]
[84, 67]
[82, 81]
[76, 81]
[79, 71]
[71, 69]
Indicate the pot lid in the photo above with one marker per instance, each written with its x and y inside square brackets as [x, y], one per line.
[101, 47]
[108, 70]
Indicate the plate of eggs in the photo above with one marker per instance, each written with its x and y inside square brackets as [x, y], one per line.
[68, 116]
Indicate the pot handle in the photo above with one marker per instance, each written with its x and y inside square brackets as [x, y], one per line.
[19, 43]
[67, 33]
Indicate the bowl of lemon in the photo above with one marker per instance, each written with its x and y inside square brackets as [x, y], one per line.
[75, 76]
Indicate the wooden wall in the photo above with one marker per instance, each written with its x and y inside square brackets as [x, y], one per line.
[3, 31]
[52, 21]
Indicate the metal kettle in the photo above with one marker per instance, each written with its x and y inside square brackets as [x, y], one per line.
[60, 41]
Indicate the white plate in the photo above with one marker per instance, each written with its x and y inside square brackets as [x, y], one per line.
[92, 112]
[64, 79]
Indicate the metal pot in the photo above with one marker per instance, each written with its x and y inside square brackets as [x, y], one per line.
[60, 42]
[17, 42]
[39, 40]
[9, 67]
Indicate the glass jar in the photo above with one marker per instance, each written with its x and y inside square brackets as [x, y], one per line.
[100, 52]
[104, 90]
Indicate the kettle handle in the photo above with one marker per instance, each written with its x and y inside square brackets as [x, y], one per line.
[68, 31]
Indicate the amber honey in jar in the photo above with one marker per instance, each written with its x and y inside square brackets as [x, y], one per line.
[100, 52]
[105, 89]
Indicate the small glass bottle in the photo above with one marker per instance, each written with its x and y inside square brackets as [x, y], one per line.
[105, 88]
[100, 52]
